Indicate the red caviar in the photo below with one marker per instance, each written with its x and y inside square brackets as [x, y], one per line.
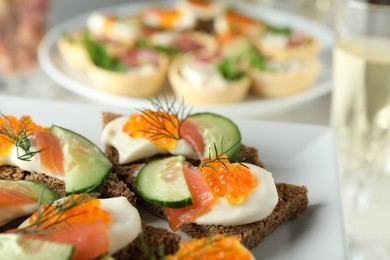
[167, 17]
[232, 181]
[215, 247]
[24, 125]
[87, 211]
[200, 3]
[158, 126]
[241, 24]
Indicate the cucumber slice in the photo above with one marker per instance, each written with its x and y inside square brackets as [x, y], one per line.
[86, 166]
[13, 246]
[162, 183]
[217, 130]
[35, 190]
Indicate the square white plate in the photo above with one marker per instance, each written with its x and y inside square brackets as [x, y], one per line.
[297, 154]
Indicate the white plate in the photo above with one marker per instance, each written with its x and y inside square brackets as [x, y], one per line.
[297, 154]
[77, 82]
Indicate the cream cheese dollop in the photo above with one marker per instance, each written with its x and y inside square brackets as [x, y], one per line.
[256, 207]
[202, 12]
[133, 149]
[202, 73]
[31, 165]
[117, 29]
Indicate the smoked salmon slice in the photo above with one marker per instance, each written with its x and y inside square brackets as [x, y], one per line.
[90, 239]
[191, 134]
[13, 198]
[202, 200]
[51, 157]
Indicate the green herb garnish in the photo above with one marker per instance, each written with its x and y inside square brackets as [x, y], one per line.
[99, 55]
[161, 120]
[42, 225]
[279, 29]
[216, 155]
[257, 60]
[20, 138]
[228, 69]
[144, 44]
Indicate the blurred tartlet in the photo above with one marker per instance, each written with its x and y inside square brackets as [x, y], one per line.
[173, 42]
[72, 49]
[283, 78]
[168, 18]
[136, 73]
[285, 43]
[207, 79]
[204, 12]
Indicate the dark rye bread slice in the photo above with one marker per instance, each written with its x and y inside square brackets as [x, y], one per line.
[293, 200]
[153, 237]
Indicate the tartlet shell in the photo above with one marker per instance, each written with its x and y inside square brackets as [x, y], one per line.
[277, 84]
[127, 83]
[235, 91]
[303, 51]
[74, 54]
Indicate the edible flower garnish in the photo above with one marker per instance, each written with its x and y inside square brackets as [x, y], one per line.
[215, 247]
[233, 181]
[14, 131]
[161, 125]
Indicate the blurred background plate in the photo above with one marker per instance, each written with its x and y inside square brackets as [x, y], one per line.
[78, 83]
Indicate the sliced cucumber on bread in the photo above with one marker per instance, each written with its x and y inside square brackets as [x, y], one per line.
[33, 189]
[162, 183]
[86, 166]
[218, 132]
[19, 247]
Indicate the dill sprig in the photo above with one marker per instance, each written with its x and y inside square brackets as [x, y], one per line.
[20, 138]
[216, 156]
[42, 226]
[161, 118]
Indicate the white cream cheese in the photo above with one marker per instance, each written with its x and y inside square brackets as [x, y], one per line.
[185, 20]
[221, 25]
[31, 165]
[118, 29]
[144, 69]
[285, 66]
[126, 222]
[275, 39]
[201, 12]
[163, 38]
[256, 207]
[133, 149]
[202, 73]
[9, 213]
